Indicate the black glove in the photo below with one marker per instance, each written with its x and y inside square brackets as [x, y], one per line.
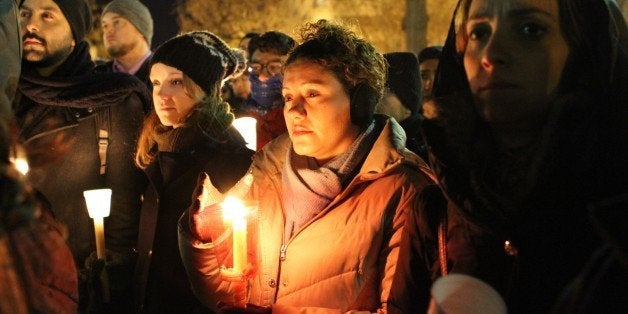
[108, 282]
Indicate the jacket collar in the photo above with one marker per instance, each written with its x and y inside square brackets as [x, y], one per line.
[388, 152]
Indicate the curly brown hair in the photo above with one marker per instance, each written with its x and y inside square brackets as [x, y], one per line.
[352, 59]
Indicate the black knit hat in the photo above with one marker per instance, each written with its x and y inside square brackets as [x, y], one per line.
[79, 15]
[202, 56]
[403, 79]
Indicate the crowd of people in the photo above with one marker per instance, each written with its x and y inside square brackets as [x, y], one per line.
[486, 175]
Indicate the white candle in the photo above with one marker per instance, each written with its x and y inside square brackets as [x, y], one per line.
[247, 128]
[98, 206]
[234, 212]
[99, 229]
[239, 244]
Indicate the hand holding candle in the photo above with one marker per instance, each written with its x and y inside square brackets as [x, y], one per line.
[214, 218]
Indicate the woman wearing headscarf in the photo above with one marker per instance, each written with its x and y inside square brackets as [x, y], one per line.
[188, 134]
[527, 128]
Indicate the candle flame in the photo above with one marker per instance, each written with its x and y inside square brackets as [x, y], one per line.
[233, 209]
[20, 164]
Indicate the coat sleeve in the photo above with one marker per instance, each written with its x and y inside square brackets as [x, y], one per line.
[418, 254]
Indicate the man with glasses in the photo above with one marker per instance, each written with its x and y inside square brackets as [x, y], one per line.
[267, 53]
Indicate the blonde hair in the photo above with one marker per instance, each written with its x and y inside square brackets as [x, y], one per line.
[214, 116]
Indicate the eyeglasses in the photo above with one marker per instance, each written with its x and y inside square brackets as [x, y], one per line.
[273, 68]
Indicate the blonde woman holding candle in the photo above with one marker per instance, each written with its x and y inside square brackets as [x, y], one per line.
[332, 193]
[189, 133]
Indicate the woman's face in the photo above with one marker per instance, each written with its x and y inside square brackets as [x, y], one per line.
[317, 111]
[514, 58]
[172, 102]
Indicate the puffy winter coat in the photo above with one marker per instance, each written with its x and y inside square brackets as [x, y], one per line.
[344, 259]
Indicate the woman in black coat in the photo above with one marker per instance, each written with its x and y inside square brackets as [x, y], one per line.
[189, 133]
[528, 126]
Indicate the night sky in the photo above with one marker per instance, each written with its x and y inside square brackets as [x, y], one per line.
[164, 18]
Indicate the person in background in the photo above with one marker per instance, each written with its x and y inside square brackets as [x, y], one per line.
[240, 92]
[428, 63]
[37, 270]
[402, 99]
[526, 130]
[241, 85]
[245, 40]
[267, 54]
[79, 129]
[127, 27]
[188, 134]
[332, 193]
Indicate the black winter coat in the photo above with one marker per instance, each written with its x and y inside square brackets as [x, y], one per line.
[58, 120]
[160, 281]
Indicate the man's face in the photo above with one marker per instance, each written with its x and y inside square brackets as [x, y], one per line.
[46, 34]
[119, 35]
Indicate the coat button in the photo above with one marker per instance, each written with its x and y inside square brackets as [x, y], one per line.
[510, 249]
[285, 283]
[272, 283]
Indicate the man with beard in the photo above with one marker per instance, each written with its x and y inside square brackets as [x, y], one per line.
[127, 32]
[79, 130]
[35, 278]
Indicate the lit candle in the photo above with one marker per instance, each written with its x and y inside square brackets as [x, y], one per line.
[234, 212]
[98, 206]
[247, 128]
[20, 164]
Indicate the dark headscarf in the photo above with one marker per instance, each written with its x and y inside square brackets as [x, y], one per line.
[586, 126]
[535, 196]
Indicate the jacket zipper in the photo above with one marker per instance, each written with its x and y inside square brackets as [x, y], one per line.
[282, 252]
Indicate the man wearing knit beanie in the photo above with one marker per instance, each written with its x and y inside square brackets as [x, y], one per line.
[127, 33]
[403, 97]
[78, 129]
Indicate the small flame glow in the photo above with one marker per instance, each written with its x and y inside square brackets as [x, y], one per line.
[20, 164]
[233, 209]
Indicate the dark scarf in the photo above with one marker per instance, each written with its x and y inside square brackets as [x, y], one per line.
[72, 89]
[308, 188]
[180, 143]
[267, 94]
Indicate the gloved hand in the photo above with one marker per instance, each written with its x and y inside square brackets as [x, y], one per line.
[108, 282]
[205, 213]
